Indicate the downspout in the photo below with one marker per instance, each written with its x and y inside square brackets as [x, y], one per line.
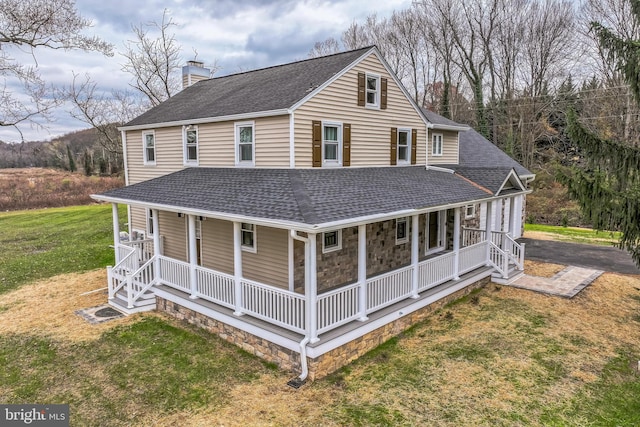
[303, 344]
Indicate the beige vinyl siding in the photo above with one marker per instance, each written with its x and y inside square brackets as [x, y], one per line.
[138, 219]
[216, 147]
[173, 230]
[269, 264]
[217, 245]
[168, 154]
[449, 148]
[370, 128]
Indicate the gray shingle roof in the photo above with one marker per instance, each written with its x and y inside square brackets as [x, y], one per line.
[266, 89]
[308, 196]
[477, 151]
[437, 119]
[489, 178]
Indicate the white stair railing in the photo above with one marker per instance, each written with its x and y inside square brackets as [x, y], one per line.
[140, 282]
[116, 275]
[516, 252]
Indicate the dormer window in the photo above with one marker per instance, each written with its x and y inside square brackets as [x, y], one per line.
[373, 90]
[190, 137]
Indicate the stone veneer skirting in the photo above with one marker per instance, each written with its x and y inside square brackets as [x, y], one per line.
[324, 364]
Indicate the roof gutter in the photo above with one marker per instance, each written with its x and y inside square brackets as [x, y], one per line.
[232, 117]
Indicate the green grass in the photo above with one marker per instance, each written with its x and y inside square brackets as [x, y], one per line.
[577, 235]
[148, 368]
[43, 243]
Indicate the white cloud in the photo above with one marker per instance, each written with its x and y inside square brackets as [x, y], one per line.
[238, 34]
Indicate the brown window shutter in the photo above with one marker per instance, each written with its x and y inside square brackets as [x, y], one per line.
[394, 146]
[317, 144]
[383, 93]
[361, 90]
[346, 144]
[414, 146]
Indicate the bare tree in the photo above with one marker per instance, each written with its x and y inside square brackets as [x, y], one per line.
[327, 47]
[103, 111]
[154, 61]
[32, 24]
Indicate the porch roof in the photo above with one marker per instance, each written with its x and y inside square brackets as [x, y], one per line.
[310, 197]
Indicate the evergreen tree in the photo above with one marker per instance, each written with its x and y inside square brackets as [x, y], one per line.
[72, 163]
[608, 186]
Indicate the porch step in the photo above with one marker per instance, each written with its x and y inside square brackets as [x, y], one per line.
[146, 302]
[512, 275]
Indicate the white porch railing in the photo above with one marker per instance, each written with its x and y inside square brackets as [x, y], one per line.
[275, 305]
[435, 271]
[472, 257]
[216, 287]
[389, 288]
[515, 251]
[117, 275]
[289, 309]
[144, 249]
[501, 239]
[174, 273]
[338, 307]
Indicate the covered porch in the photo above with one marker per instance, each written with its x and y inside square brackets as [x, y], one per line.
[143, 272]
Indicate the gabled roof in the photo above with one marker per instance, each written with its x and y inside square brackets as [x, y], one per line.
[477, 151]
[310, 198]
[495, 180]
[274, 88]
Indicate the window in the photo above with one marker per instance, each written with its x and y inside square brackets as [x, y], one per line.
[191, 145]
[404, 145]
[245, 144]
[435, 238]
[373, 90]
[149, 222]
[436, 146]
[469, 211]
[248, 237]
[331, 144]
[149, 141]
[402, 231]
[331, 241]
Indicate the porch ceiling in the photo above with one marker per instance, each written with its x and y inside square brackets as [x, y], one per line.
[305, 196]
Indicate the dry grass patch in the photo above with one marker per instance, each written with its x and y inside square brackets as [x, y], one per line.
[542, 269]
[47, 307]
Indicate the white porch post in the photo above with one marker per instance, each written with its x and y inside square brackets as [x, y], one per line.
[312, 295]
[193, 256]
[116, 230]
[237, 266]
[415, 255]
[456, 243]
[488, 228]
[362, 272]
[512, 217]
[156, 243]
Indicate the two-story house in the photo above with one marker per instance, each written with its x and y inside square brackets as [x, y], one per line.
[309, 211]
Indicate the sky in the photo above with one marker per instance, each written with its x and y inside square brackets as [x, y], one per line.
[237, 35]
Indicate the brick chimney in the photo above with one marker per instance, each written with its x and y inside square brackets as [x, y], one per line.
[193, 72]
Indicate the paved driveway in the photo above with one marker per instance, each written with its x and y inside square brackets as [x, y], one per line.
[604, 258]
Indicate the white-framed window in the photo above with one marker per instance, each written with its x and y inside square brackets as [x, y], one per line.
[149, 142]
[435, 232]
[402, 230]
[372, 90]
[404, 146]
[469, 211]
[190, 138]
[245, 144]
[331, 144]
[331, 241]
[149, 222]
[248, 237]
[436, 144]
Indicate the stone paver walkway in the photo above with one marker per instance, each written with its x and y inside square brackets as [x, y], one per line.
[566, 283]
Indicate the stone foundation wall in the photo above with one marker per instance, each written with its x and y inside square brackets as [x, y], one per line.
[289, 360]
